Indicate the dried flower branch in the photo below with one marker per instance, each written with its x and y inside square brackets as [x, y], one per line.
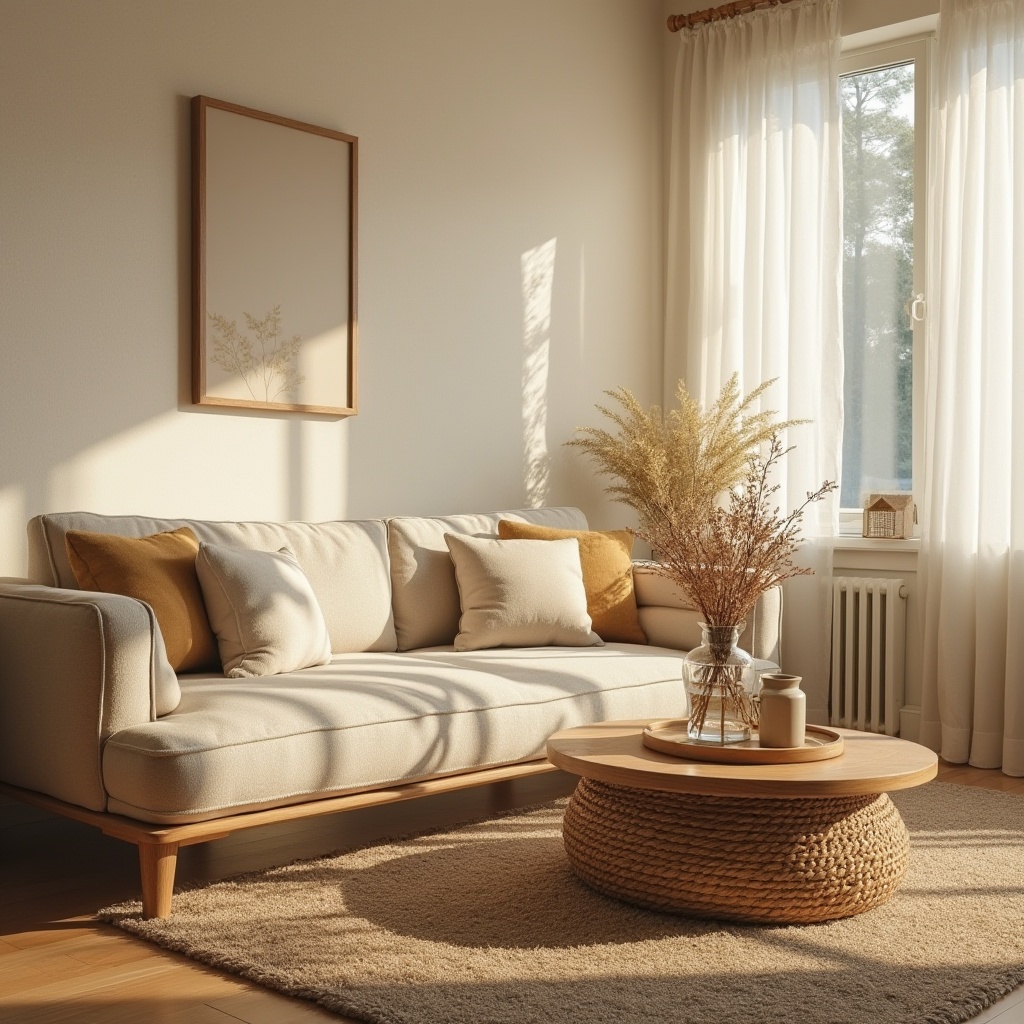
[727, 559]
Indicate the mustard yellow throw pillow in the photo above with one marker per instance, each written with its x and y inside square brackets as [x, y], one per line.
[160, 570]
[606, 559]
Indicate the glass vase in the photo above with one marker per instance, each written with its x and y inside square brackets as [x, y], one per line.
[719, 678]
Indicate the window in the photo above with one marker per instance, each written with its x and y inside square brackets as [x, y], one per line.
[883, 93]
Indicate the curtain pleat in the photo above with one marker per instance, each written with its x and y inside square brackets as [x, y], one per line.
[754, 261]
[972, 559]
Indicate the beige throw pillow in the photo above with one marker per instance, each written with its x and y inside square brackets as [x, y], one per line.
[606, 560]
[520, 593]
[263, 611]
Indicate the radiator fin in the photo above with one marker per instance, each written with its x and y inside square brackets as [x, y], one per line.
[869, 628]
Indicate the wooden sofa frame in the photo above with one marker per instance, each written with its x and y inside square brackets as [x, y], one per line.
[158, 844]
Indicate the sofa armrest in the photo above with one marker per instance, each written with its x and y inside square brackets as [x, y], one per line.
[75, 667]
[670, 620]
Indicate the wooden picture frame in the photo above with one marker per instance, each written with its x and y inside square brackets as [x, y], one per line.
[274, 323]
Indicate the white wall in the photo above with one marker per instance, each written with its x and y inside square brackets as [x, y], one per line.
[487, 132]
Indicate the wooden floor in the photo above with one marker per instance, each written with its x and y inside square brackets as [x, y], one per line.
[56, 964]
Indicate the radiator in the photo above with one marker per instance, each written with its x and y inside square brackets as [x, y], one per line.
[869, 628]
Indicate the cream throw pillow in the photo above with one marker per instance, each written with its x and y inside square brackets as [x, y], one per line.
[606, 560]
[520, 593]
[263, 610]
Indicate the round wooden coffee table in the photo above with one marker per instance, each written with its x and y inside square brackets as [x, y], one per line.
[781, 843]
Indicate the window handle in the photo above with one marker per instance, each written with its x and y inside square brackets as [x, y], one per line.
[917, 308]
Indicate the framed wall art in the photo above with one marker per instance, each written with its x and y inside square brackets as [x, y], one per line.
[274, 322]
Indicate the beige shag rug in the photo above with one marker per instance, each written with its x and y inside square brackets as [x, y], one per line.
[486, 924]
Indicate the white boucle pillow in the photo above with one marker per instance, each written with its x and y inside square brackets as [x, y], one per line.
[520, 593]
[263, 611]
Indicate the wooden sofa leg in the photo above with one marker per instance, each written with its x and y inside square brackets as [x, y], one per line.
[156, 864]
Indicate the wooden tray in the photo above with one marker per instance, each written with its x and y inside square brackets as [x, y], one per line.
[668, 735]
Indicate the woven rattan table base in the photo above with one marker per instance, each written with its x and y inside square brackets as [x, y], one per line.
[743, 859]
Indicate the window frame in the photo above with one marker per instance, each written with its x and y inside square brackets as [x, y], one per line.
[917, 49]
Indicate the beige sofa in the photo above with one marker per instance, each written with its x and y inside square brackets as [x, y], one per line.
[91, 727]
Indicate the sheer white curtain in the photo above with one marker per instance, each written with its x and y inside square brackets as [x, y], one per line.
[754, 260]
[973, 506]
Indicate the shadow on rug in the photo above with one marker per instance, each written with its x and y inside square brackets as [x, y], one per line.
[485, 924]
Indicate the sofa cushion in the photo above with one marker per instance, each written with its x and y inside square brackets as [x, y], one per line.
[520, 593]
[366, 721]
[680, 627]
[607, 576]
[161, 570]
[263, 611]
[670, 619]
[425, 594]
[656, 590]
[346, 563]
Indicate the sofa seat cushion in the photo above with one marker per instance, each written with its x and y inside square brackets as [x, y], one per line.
[367, 721]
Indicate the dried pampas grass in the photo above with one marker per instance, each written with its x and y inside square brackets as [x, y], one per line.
[699, 483]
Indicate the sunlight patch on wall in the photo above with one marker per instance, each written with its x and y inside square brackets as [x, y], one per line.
[201, 466]
[179, 466]
[12, 531]
[317, 470]
[538, 276]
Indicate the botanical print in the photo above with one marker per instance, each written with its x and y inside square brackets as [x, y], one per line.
[268, 364]
[286, 255]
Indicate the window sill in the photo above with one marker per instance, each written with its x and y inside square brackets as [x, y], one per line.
[850, 542]
[865, 555]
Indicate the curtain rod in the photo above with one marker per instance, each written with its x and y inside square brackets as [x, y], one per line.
[730, 10]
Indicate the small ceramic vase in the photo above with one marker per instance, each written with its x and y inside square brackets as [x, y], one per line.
[783, 711]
